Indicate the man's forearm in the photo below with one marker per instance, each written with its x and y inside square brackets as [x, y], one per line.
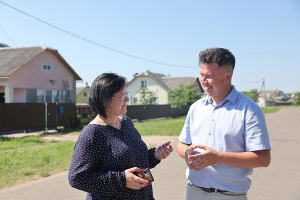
[181, 148]
[253, 159]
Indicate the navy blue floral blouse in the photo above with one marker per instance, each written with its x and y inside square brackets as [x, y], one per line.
[101, 156]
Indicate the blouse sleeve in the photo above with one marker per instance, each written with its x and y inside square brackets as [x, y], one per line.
[152, 160]
[82, 175]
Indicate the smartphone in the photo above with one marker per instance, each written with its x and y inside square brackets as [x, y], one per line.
[145, 174]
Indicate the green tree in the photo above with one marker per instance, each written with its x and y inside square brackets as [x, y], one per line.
[253, 94]
[183, 95]
[147, 97]
[297, 98]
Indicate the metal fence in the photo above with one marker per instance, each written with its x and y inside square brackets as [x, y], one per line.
[143, 112]
[29, 117]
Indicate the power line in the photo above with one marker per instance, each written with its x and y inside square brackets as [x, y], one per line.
[108, 48]
[247, 81]
[23, 54]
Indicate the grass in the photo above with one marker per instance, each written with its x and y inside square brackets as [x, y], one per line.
[163, 127]
[273, 109]
[31, 162]
[13, 143]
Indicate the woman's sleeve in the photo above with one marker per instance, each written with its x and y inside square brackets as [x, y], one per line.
[82, 173]
[152, 160]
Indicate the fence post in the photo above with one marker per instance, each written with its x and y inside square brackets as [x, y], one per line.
[46, 113]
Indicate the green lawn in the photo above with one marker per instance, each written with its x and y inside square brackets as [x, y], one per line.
[22, 161]
[13, 143]
[163, 127]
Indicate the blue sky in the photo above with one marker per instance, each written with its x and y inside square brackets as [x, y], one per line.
[264, 36]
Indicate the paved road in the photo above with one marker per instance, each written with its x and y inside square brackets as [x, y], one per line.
[280, 181]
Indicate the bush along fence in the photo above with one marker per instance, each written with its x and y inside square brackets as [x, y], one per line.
[30, 117]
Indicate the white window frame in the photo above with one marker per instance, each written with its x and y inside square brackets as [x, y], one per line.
[48, 67]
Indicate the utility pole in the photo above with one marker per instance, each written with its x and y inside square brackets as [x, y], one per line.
[264, 94]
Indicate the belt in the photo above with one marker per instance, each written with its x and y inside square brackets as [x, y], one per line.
[209, 190]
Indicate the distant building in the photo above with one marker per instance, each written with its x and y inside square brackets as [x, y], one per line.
[82, 94]
[35, 74]
[273, 98]
[159, 84]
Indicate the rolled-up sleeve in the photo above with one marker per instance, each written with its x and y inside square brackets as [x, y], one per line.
[256, 133]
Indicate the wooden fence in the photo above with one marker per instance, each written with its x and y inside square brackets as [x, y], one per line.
[29, 117]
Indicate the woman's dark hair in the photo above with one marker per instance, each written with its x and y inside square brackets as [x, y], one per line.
[223, 57]
[103, 89]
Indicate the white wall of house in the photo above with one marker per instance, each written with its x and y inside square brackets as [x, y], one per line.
[261, 102]
[152, 85]
[9, 92]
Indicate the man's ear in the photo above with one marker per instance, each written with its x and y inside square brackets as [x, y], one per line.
[228, 76]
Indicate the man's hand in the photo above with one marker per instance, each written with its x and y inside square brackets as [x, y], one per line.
[189, 152]
[207, 158]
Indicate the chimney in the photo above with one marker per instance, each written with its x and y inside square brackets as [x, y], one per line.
[3, 45]
[134, 75]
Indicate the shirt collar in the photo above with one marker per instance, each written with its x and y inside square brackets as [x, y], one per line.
[232, 97]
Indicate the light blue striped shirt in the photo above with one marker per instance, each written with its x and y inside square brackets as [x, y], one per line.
[236, 125]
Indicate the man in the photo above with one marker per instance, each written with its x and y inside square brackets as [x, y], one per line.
[228, 132]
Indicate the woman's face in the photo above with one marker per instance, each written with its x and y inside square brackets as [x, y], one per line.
[118, 105]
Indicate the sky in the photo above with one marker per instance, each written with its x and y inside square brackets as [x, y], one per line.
[166, 37]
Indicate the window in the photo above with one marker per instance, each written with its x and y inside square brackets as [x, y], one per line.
[84, 94]
[143, 84]
[49, 96]
[47, 67]
[40, 96]
[133, 100]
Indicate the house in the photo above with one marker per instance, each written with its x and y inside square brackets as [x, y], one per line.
[35, 74]
[159, 84]
[272, 98]
[82, 94]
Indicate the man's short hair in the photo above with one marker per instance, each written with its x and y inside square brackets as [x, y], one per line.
[223, 57]
[103, 89]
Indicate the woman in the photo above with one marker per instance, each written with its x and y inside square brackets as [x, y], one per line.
[110, 149]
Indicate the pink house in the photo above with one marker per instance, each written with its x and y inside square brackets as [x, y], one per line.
[35, 74]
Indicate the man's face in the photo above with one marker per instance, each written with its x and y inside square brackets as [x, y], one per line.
[214, 80]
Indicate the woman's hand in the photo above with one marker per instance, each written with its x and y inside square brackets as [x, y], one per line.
[163, 151]
[133, 181]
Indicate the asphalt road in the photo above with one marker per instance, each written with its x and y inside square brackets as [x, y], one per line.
[280, 181]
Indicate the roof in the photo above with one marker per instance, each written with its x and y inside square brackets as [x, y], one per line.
[155, 76]
[11, 59]
[79, 90]
[173, 82]
[159, 79]
[168, 82]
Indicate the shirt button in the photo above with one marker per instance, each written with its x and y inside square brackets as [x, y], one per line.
[209, 133]
[212, 120]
